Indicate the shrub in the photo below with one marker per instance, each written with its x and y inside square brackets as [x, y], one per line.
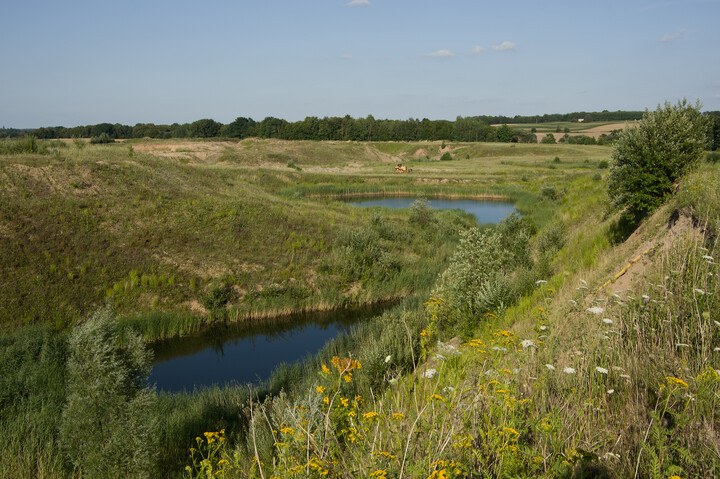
[421, 214]
[446, 157]
[217, 298]
[548, 139]
[649, 159]
[107, 425]
[556, 159]
[102, 138]
[549, 192]
[603, 164]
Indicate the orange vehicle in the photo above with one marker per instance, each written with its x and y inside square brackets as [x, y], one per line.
[400, 168]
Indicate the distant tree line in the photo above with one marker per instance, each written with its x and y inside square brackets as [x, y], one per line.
[471, 128]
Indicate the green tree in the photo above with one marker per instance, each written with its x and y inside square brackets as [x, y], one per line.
[205, 128]
[548, 139]
[649, 159]
[107, 426]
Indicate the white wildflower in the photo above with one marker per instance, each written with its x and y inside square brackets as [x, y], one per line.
[607, 321]
[495, 348]
[645, 297]
[617, 368]
[550, 367]
[625, 376]
[388, 358]
[596, 310]
[540, 281]
[543, 328]
[569, 370]
[716, 350]
[527, 343]
[516, 370]
[601, 370]
[708, 257]
[609, 455]
[430, 373]
[699, 291]
[610, 391]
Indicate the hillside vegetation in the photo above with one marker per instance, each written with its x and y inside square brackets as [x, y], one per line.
[557, 344]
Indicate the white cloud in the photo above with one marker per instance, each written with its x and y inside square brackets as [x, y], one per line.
[346, 56]
[674, 36]
[441, 54]
[358, 3]
[478, 49]
[505, 46]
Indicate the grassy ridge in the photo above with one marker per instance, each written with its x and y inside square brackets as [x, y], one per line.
[154, 226]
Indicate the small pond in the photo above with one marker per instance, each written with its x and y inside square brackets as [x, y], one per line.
[484, 211]
[232, 354]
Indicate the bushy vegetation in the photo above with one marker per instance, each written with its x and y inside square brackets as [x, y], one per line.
[106, 396]
[649, 159]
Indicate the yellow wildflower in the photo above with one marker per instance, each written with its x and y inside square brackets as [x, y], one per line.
[325, 369]
[326, 400]
[424, 332]
[287, 430]
[370, 415]
[344, 402]
[676, 382]
[509, 429]
[348, 377]
[320, 389]
[436, 396]
[398, 416]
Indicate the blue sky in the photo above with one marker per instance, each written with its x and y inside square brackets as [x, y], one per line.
[86, 62]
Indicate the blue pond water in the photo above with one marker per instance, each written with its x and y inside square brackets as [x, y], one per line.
[233, 354]
[484, 211]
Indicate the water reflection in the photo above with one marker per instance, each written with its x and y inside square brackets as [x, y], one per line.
[484, 211]
[233, 353]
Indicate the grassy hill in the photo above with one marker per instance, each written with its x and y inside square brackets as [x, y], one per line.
[156, 227]
[603, 362]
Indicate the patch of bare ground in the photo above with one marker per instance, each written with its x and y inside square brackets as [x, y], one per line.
[195, 307]
[420, 152]
[205, 152]
[643, 251]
